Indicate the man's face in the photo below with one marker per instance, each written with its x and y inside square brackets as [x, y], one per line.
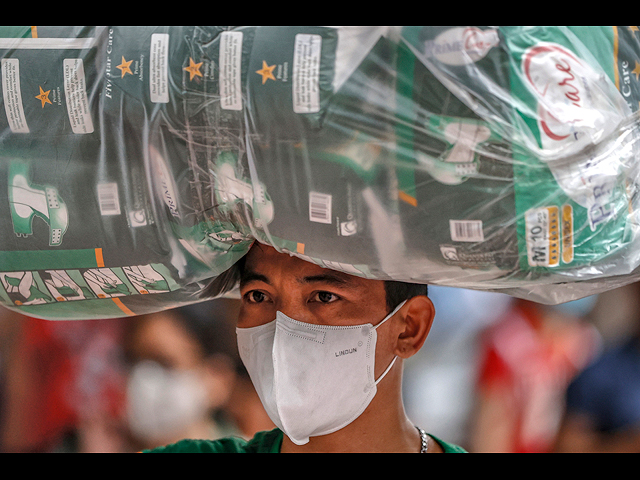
[308, 293]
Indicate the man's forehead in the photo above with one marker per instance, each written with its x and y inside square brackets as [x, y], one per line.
[264, 263]
[265, 256]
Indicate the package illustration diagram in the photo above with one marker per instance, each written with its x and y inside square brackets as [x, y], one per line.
[28, 201]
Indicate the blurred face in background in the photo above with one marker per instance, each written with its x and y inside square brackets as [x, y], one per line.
[173, 387]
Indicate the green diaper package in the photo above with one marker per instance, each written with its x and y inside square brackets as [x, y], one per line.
[139, 164]
[531, 143]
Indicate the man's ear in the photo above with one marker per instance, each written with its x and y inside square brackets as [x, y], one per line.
[417, 314]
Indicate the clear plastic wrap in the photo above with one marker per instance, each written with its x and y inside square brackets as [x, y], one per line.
[141, 163]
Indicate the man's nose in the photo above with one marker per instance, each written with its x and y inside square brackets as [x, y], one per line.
[295, 308]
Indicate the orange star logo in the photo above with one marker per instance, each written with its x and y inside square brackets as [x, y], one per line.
[193, 69]
[125, 67]
[266, 72]
[44, 97]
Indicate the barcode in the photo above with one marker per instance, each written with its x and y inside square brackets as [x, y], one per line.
[319, 207]
[466, 230]
[108, 199]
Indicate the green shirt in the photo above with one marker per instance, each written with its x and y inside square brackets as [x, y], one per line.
[262, 442]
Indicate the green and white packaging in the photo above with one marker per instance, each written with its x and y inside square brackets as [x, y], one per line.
[555, 111]
[141, 163]
[94, 220]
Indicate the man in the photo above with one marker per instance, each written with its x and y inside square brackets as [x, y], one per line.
[324, 350]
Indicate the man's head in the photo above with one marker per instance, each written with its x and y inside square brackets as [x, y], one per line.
[271, 281]
[305, 334]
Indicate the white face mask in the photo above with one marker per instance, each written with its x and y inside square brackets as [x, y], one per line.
[312, 379]
[163, 402]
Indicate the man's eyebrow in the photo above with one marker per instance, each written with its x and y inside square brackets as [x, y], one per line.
[330, 278]
[337, 279]
[251, 276]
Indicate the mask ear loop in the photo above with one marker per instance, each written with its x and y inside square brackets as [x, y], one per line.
[390, 315]
[395, 357]
[386, 371]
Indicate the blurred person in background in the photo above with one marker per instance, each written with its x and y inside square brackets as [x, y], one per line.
[63, 387]
[118, 385]
[185, 378]
[603, 402]
[529, 357]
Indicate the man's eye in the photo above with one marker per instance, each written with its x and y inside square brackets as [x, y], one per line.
[256, 296]
[325, 297]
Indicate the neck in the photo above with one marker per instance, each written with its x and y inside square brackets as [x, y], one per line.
[382, 427]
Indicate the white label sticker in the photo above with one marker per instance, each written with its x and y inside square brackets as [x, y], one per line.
[230, 70]
[466, 230]
[12, 95]
[75, 89]
[306, 73]
[320, 207]
[543, 236]
[108, 199]
[159, 68]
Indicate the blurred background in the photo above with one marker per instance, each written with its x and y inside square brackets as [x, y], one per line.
[496, 374]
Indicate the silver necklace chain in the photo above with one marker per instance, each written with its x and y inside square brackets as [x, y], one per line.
[424, 445]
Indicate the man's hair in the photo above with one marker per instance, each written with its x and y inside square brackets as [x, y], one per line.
[396, 292]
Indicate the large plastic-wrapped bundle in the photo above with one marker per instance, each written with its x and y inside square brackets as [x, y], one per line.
[93, 222]
[141, 163]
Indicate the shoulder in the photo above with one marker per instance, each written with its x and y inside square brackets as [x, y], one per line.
[262, 442]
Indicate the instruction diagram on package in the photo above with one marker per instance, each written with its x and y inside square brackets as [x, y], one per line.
[25, 288]
[28, 201]
[63, 287]
[50, 286]
[146, 280]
